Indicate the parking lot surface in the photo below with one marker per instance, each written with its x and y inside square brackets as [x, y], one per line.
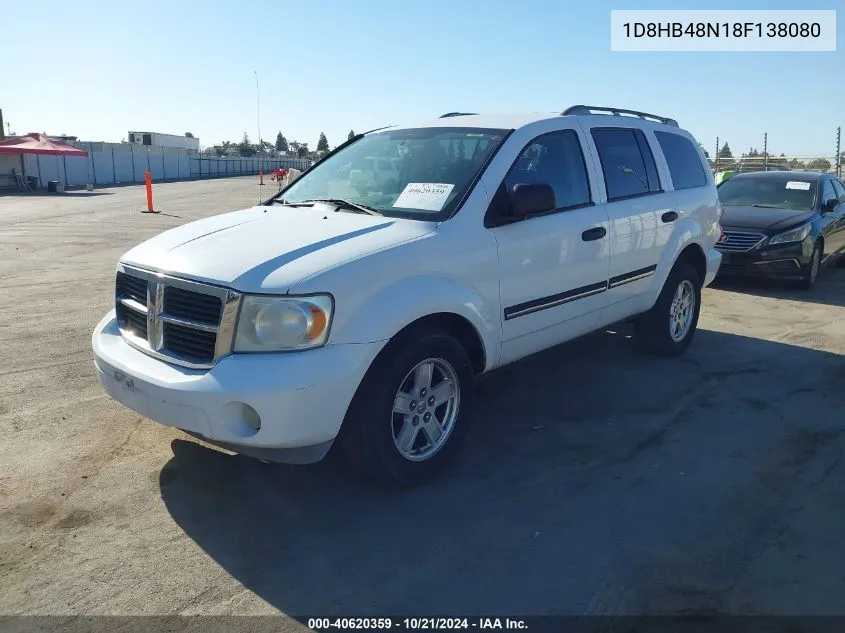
[595, 480]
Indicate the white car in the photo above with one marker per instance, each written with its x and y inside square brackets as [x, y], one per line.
[326, 314]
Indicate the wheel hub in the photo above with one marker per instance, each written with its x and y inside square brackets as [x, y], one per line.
[425, 408]
[682, 311]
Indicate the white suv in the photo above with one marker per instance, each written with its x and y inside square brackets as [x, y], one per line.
[327, 313]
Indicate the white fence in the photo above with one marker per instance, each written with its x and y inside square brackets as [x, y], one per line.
[122, 163]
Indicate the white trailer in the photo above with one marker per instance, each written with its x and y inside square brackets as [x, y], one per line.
[156, 139]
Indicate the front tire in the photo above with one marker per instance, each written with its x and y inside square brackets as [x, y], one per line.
[411, 411]
[808, 279]
[667, 329]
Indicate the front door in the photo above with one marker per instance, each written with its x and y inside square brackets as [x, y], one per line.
[834, 230]
[553, 267]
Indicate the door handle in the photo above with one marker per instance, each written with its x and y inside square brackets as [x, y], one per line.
[669, 216]
[594, 234]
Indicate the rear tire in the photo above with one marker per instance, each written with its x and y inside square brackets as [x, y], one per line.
[381, 436]
[667, 329]
[808, 278]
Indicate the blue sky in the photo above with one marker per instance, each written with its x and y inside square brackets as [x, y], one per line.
[331, 65]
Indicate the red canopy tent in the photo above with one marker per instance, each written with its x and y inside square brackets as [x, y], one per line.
[35, 143]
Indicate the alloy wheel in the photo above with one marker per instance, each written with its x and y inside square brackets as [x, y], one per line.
[425, 408]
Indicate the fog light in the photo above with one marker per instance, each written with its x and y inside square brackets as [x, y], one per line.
[240, 419]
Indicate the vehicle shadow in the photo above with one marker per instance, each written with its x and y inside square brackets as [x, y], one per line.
[594, 480]
[829, 288]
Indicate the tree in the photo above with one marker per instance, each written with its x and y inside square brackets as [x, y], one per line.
[245, 148]
[222, 148]
[725, 152]
[323, 143]
[294, 147]
[281, 143]
[302, 150]
[820, 164]
[189, 135]
[351, 135]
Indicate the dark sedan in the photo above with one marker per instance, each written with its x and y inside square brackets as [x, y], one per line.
[781, 224]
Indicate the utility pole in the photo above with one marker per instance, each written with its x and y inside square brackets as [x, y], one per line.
[838, 153]
[258, 109]
[716, 162]
[765, 151]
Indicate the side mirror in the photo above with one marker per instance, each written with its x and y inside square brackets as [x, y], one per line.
[830, 205]
[531, 199]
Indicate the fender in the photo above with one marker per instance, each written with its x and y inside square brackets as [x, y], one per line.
[392, 307]
[687, 231]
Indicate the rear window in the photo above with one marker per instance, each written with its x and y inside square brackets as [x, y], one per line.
[683, 160]
[626, 161]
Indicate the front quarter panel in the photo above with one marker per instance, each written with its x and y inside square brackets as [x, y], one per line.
[447, 271]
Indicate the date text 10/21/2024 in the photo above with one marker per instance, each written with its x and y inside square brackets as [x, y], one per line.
[417, 624]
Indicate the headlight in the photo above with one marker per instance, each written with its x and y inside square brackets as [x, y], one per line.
[272, 324]
[795, 235]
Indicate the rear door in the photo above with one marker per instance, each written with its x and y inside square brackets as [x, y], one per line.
[640, 216]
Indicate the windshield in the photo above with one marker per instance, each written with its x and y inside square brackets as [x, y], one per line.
[786, 192]
[420, 173]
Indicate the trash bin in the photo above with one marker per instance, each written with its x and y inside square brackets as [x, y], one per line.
[54, 186]
[33, 182]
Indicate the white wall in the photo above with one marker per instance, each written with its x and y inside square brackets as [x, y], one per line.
[120, 163]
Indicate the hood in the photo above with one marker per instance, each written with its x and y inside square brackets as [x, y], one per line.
[762, 219]
[269, 249]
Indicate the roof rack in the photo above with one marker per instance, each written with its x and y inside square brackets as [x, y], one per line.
[582, 109]
[450, 114]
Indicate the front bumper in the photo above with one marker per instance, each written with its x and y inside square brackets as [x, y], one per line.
[782, 261]
[284, 407]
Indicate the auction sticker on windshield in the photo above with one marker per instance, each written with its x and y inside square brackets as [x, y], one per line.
[797, 184]
[428, 196]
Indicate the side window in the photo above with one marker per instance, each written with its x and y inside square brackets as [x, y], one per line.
[840, 190]
[827, 190]
[626, 161]
[683, 160]
[554, 159]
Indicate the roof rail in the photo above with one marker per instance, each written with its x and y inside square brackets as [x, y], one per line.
[450, 114]
[582, 109]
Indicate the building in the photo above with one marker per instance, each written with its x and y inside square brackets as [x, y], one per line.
[156, 139]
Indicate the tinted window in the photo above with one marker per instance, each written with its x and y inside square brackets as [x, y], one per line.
[840, 190]
[827, 190]
[768, 191]
[627, 170]
[683, 160]
[554, 159]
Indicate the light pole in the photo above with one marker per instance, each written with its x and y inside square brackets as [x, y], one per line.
[258, 109]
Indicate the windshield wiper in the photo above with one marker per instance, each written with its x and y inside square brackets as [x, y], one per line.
[765, 206]
[352, 206]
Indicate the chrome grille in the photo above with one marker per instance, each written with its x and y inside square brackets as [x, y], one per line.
[183, 322]
[739, 241]
[192, 305]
